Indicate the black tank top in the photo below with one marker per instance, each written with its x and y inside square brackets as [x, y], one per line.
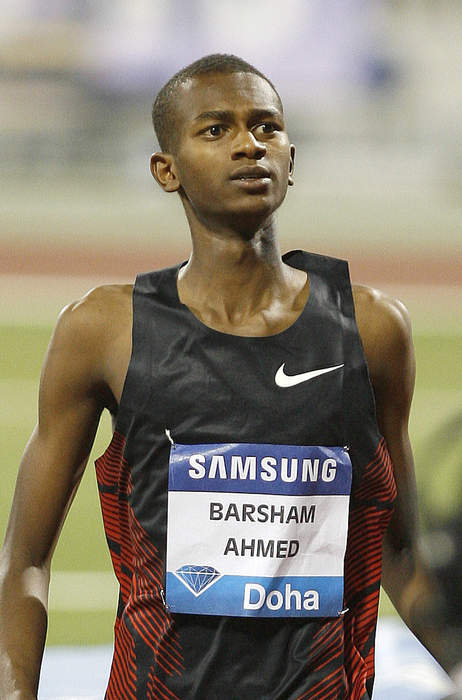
[191, 385]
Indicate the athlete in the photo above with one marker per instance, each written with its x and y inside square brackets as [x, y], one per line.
[253, 471]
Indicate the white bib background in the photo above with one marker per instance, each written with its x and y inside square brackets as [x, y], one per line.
[257, 529]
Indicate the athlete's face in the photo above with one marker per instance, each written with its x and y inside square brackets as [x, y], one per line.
[233, 159]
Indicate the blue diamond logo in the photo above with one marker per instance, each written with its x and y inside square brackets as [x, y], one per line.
[197, 578]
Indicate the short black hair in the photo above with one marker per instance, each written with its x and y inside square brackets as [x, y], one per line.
[163, 106]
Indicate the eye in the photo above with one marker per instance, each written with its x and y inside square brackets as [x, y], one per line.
[267, 128]
[214, 130]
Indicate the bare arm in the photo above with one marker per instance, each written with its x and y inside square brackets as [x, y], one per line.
[72, 396]
[386, 334]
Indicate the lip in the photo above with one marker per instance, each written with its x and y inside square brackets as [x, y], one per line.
[254, 185]
[251, 173]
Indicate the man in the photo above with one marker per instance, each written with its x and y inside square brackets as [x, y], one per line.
[243, 409]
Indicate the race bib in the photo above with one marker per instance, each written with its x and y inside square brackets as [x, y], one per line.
[257, 530]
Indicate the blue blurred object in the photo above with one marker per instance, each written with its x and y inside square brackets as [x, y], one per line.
[404, 669]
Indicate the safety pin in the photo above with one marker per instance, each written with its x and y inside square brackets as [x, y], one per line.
[167, 432]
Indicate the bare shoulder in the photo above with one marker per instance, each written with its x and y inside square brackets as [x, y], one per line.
[385, 329]
[103, 311]
[91, 344]
[376, 308]
[102, 300]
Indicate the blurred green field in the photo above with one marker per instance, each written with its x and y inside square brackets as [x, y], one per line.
[82, 607]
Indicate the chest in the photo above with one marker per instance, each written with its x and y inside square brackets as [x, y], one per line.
[206, 386]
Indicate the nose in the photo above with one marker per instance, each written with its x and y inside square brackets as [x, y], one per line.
[245, 145]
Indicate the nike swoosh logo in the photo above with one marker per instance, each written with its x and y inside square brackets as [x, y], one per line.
[285, 380]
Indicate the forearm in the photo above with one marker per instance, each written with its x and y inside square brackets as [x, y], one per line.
[23, 613]
[428, 620]
[416, 597]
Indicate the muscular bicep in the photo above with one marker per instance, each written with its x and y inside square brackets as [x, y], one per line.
[69, 408]
[386, 334]
[392, 367]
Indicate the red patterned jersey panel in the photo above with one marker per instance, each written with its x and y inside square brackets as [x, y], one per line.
[145, 642]
[370, 512]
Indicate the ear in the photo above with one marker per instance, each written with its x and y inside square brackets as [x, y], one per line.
[164, 172]
[291, 164]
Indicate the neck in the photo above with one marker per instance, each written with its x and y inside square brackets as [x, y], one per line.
[232, 272]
